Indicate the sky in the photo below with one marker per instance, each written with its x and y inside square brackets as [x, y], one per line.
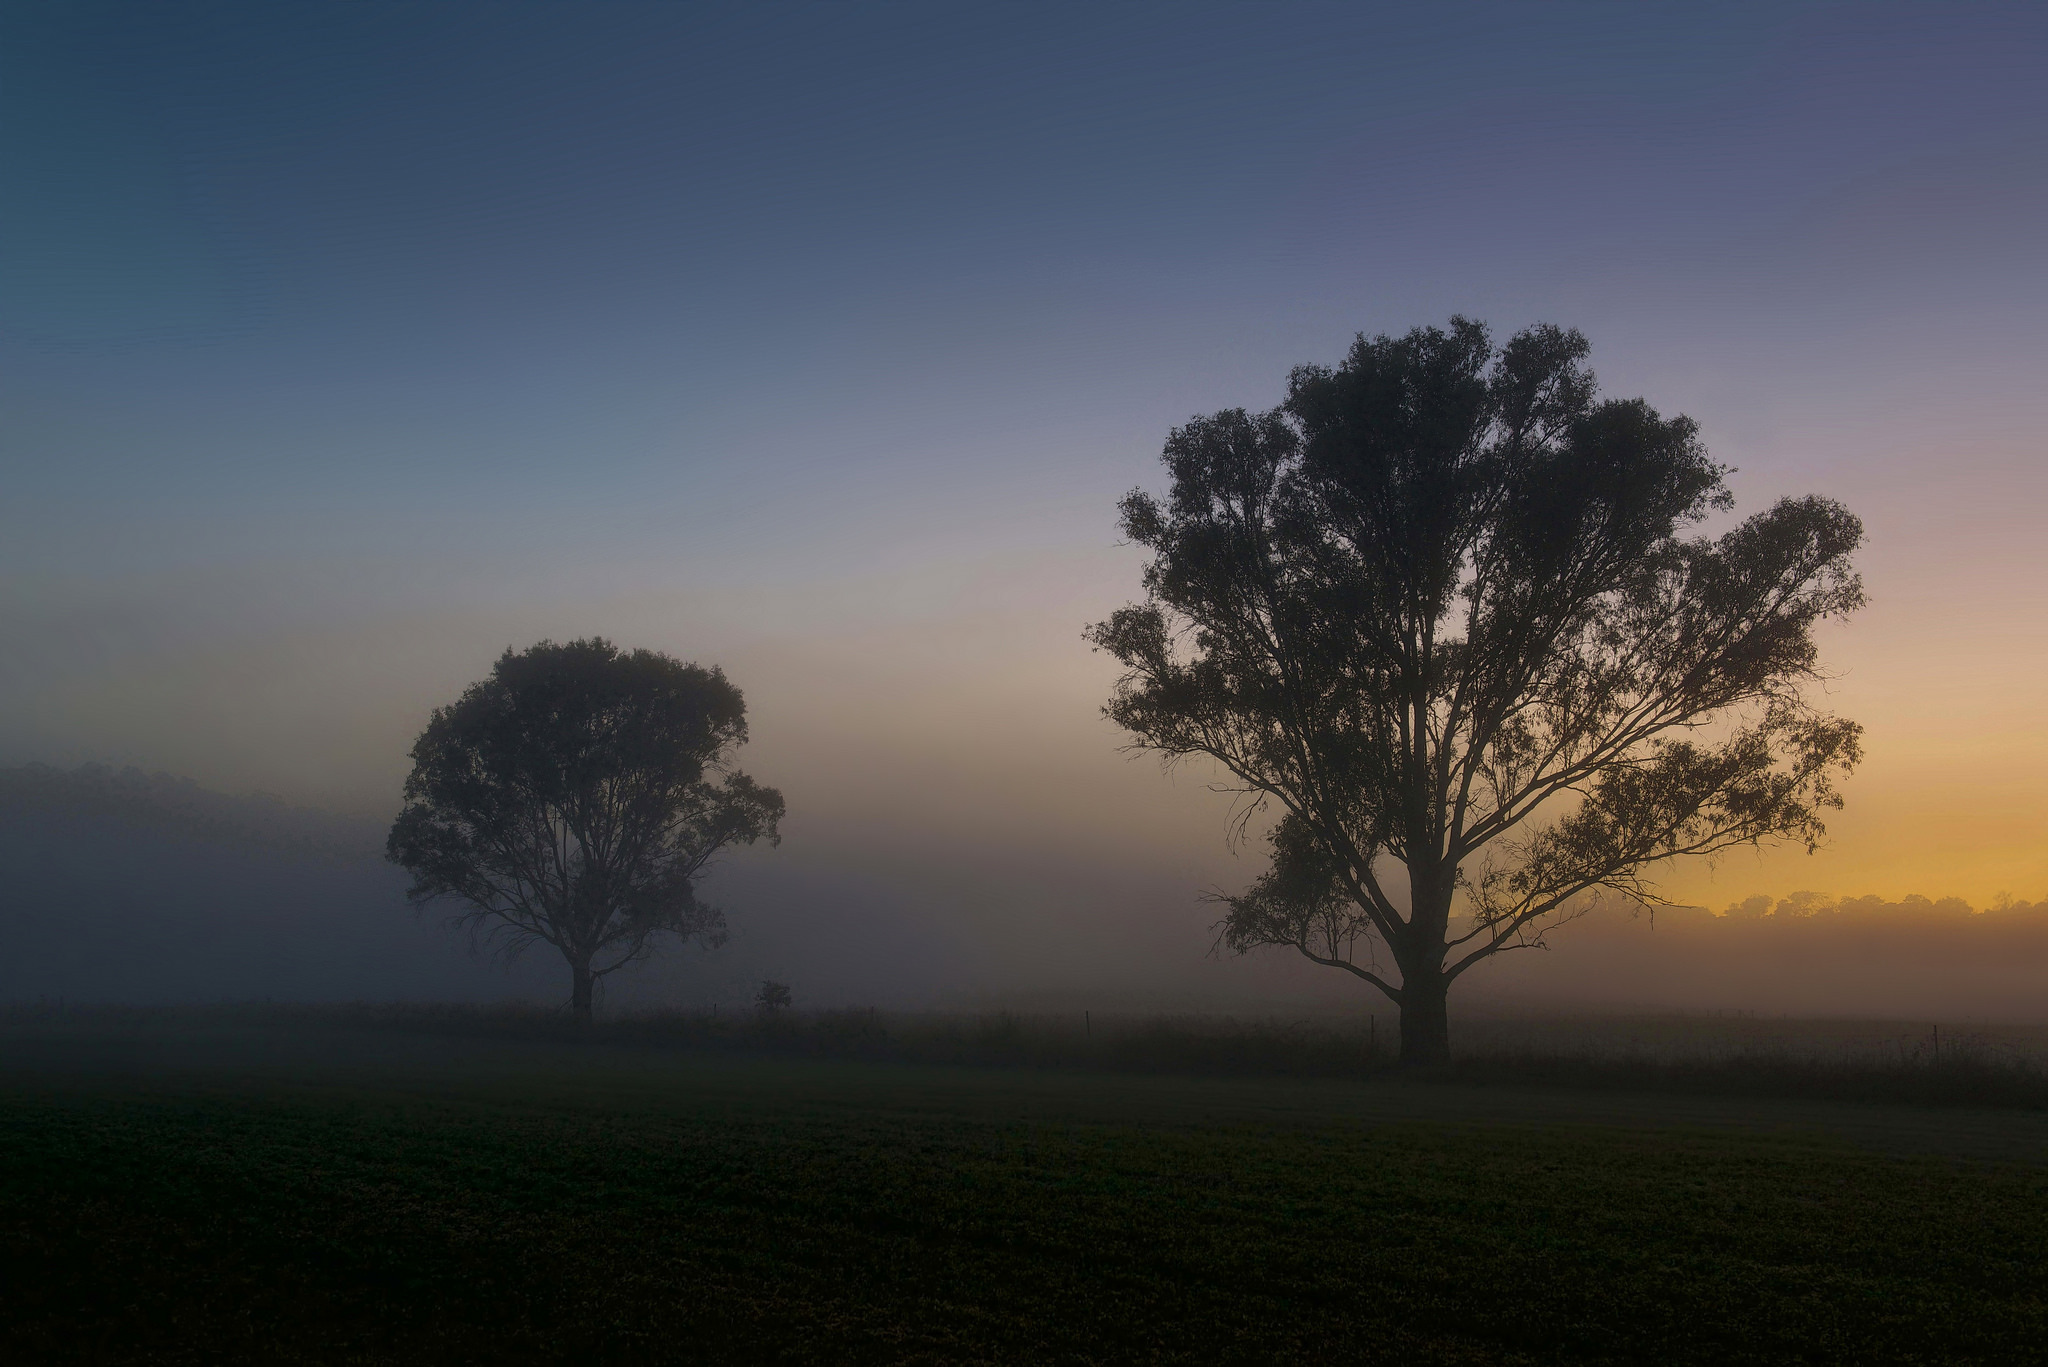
[343, 346]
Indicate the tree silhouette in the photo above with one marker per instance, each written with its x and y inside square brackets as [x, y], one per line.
[1443, 589]
[574, 796]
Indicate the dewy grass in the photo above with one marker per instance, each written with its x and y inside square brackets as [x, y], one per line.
[780, 1210]
[1966, 1075]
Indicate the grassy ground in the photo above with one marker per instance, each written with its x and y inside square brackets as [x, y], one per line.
[284, 1195]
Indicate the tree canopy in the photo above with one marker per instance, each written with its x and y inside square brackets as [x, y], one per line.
[574, 797]
[1441, 609]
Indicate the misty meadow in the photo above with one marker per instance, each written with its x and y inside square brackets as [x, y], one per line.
[1061, 684]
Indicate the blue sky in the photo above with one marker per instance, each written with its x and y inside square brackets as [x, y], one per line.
[343, 345]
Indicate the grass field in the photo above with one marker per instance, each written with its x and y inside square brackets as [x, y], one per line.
[224, 1192]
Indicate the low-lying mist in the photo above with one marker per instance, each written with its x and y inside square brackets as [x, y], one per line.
[128, 887]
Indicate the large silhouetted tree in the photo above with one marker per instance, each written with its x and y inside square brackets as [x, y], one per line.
[1439, 610]
[574, 796]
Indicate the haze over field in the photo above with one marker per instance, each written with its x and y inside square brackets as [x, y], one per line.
[343, 348]
[122, 888]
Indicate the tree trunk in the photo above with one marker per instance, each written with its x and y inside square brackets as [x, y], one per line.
[579, 994]
[1425, 991]
[1425, 1020]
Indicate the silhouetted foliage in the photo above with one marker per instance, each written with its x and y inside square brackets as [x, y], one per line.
[573, 798]
[1443, 587]
[773, 996]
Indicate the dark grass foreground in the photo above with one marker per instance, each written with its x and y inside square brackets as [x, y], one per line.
[1963, 1076]
[735, 1210]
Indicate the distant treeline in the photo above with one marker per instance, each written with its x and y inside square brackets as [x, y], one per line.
[1808, 906]
[1804, 954]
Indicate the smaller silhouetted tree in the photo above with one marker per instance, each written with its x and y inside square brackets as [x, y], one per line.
[574, 797]
[772, 997]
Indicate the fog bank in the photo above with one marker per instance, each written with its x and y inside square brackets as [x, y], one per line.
[127, 887]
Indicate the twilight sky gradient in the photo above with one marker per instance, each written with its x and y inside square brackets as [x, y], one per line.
[343, 346]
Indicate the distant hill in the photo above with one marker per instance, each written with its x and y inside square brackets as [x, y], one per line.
[123, 886]
[179, 804]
